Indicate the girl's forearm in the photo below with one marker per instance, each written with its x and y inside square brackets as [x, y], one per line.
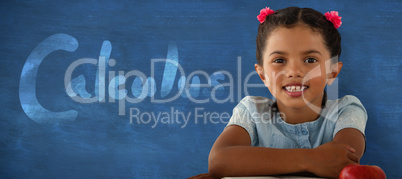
[251, 161]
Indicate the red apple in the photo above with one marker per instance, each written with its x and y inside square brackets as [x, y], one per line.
[355, 171]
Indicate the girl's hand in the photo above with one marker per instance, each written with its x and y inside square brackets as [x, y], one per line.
[329, 159]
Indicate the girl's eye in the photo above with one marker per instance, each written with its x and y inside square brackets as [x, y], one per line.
[279, 60]
[310, 60]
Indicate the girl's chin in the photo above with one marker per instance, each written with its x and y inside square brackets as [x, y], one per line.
[300, 102]
[292, 101]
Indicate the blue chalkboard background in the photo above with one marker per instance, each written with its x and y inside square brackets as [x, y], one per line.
[94, 140]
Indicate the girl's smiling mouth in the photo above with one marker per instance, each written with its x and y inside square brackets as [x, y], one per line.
[295, 89]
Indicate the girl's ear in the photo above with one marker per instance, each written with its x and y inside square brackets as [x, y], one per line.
[335, 69]
[260, 70]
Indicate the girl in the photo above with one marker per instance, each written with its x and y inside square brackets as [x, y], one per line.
[300, 131]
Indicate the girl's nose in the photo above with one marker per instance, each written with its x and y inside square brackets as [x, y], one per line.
[294, 70]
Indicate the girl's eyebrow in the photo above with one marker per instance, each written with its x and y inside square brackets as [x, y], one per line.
[305, 53]
[278, 52]
[312, 51]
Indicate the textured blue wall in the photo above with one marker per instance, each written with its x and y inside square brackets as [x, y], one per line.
[94, 140]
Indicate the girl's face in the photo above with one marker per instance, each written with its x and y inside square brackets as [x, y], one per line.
[296, 67]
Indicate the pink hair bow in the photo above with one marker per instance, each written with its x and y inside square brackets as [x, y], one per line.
[264, 13]
[334, 18]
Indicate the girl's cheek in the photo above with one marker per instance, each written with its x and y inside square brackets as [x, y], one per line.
[314, 73]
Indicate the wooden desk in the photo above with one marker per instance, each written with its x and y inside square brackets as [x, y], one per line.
[272, 177]
[207, 176]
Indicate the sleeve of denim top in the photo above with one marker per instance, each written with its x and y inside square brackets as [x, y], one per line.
[352, 114]
[246, 114]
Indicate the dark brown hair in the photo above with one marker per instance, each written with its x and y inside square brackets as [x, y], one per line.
[290, 17]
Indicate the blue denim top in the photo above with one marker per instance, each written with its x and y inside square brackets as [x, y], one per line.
[267, 129]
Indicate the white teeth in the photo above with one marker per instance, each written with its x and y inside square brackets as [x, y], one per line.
[295, 88]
